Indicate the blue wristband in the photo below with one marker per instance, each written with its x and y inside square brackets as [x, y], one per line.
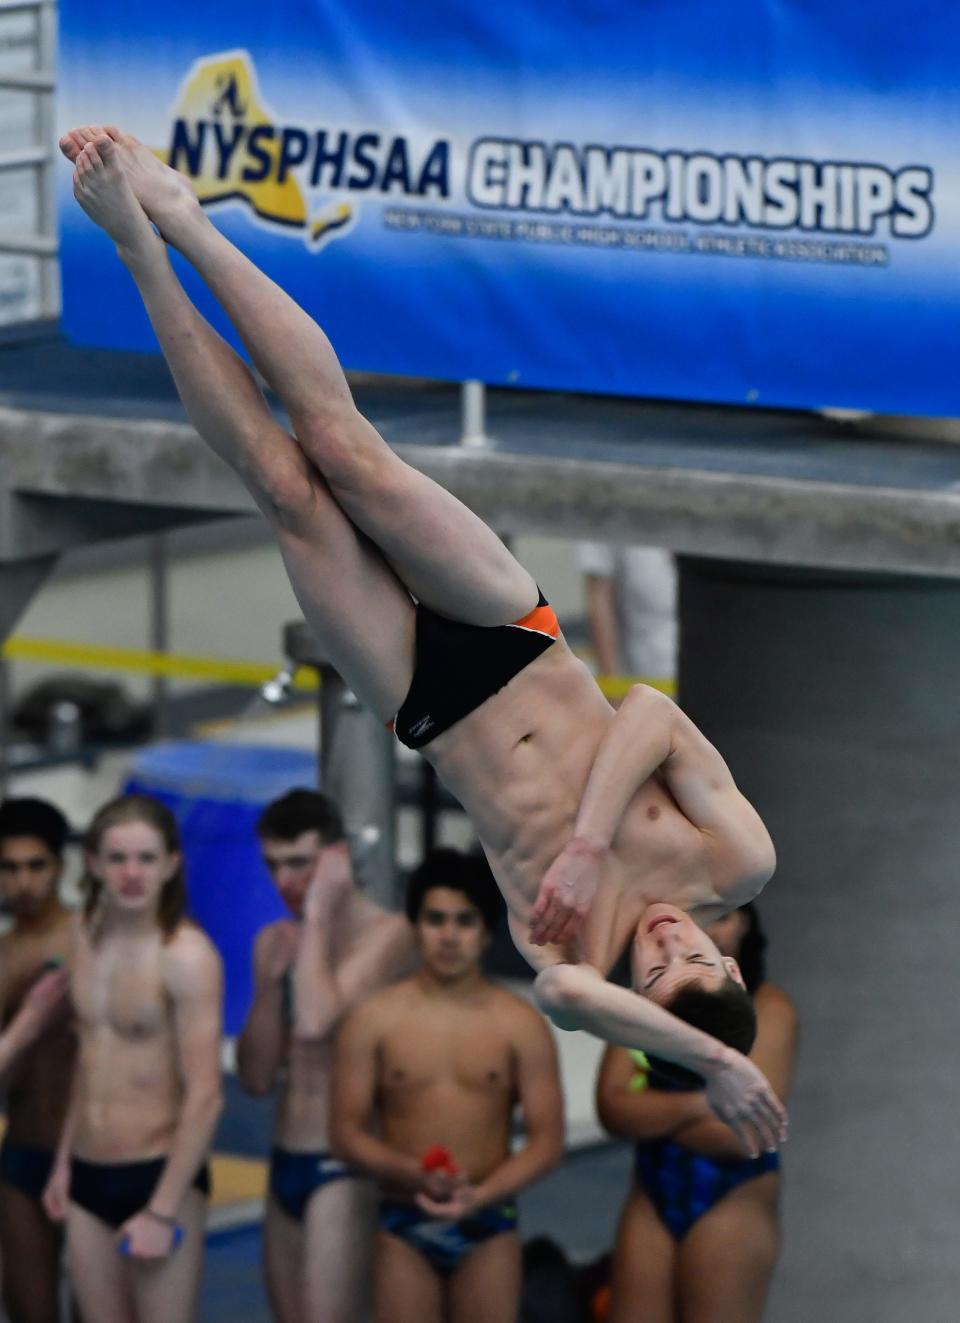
[124, 1246]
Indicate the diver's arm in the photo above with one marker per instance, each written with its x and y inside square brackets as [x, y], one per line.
[538, 956]
[579, 997]
[649, 734]
[774, 1053]
[638, 741]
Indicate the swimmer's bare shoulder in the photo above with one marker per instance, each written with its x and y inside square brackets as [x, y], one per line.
[386, 1005]
[515, 1017]
[776, 1008]
[191, 965]
[369, 1023]
[391, 941]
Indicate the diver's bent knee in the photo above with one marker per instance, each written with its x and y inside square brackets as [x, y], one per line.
[649, 697]
[287, 500]
[346, 448]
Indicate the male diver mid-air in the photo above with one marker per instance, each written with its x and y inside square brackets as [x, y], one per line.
[604, 829]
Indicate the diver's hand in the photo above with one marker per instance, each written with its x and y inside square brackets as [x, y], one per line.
[330, 885]
[742, 1098]
[566, 893]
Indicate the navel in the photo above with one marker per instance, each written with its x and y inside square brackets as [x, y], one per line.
[653, 813]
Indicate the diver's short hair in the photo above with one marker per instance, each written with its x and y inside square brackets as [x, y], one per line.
[726, 1012]
[467, 873]
[37, 818]
[298, 811]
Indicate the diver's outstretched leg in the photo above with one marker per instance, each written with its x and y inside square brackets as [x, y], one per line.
[347, 591]
[445, 555]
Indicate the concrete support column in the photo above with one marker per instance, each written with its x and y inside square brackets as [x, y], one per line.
[836, 701]
[19, 580]
[356, 769]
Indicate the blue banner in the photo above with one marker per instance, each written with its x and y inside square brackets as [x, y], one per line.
[674, 199]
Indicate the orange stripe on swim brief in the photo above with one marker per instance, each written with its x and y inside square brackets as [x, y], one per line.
[543, 619]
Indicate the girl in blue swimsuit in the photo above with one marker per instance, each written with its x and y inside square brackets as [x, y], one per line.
[699, 1234]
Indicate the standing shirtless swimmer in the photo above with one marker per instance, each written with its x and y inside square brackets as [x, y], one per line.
[130, 1175]
[33, 835]
[428, 1074]
[430, 619]
[335, 948]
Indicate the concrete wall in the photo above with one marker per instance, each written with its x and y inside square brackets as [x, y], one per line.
[229, 596]
[835, 701]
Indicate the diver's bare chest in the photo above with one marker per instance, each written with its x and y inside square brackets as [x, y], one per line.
[113, 991]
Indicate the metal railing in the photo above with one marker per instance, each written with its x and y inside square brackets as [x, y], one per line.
[40, 83]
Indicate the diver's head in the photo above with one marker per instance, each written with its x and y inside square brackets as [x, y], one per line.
[679, 967]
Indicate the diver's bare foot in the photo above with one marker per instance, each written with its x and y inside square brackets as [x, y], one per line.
[73, 143]
[166, 196]
[101, 187]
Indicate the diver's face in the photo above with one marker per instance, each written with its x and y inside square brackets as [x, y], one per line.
[671, 950]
